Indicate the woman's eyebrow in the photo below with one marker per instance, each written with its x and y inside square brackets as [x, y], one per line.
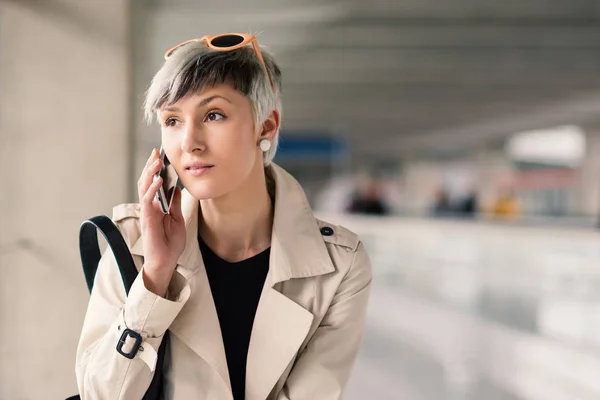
[203, 103]
[210, 99]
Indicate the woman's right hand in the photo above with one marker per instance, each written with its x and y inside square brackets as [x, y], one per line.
[163, 235]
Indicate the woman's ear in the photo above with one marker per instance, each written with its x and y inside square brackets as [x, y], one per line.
[271, 125]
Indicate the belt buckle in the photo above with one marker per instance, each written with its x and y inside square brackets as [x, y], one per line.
[136, 346]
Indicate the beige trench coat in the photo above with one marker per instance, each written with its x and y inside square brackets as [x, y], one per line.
[307, 330]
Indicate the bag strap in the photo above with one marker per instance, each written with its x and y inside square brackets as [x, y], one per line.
[90, 251]
[90, 258]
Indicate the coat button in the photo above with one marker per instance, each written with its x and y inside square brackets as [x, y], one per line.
[326, 231]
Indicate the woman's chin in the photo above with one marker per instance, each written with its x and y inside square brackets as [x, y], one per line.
[202, 191]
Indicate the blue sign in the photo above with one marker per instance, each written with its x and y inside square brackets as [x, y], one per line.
[310, 147]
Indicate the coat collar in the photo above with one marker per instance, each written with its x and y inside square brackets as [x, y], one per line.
[296, 233]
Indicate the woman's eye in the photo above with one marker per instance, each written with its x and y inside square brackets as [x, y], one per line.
[214, 116]
[170, 122]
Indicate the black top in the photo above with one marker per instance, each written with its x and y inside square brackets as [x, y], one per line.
[236, 289]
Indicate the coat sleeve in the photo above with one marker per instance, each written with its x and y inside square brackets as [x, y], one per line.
[103, 373]
[323, 368]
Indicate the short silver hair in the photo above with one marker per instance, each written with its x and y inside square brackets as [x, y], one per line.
[193, 67]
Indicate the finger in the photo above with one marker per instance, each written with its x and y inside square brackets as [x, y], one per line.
[156, 205]
[153, 156]
[150, 194]
[148, 177]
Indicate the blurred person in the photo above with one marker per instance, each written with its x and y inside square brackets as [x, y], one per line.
[442, 206]
[368, 199]
[507, 205]
[261, 299]
[468, 206]
[334, 196]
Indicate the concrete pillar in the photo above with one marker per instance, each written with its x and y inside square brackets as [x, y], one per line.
[147, 58]
[589, 183]
[493, 170]
[422, 180]
[64, 150]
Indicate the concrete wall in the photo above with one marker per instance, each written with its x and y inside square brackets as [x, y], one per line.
[64, 124]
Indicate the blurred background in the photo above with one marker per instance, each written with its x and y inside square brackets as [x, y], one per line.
[459, 138]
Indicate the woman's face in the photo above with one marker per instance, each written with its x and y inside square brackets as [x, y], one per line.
[210, 139]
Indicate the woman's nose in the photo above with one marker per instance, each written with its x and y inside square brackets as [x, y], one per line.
[193, 138]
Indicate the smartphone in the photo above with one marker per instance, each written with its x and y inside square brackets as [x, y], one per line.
[166, 191]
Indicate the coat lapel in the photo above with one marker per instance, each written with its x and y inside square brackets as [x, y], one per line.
[197, 324]
[297, 251]
[280, 327]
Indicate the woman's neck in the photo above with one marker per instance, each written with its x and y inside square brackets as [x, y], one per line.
[238, 226]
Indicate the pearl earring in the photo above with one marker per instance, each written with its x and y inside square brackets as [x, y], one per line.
[265, 145]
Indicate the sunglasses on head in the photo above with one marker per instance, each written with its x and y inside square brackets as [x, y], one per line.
[227, 42]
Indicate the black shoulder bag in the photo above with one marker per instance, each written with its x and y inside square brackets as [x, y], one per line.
[90, 257]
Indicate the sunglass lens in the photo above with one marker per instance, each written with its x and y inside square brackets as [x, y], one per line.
[227, 41]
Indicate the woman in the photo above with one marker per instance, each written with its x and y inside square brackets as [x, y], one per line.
[262, 300]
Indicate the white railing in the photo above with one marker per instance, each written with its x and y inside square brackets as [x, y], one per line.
[436, 274]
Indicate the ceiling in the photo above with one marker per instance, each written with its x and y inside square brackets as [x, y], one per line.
[399, 76]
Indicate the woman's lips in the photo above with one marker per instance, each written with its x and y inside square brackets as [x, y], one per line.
[197, 171]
